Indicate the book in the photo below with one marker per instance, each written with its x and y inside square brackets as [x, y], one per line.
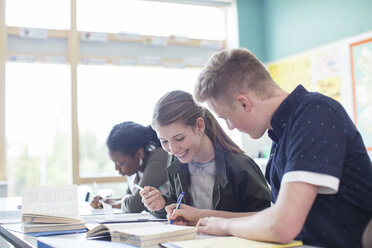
[39, 218]
[142, 234]
[54, 200]
[32, 223]
[231, 242]
[50, 227]
[50, 209]
[122, 218]
[18, 227]
[53, 242]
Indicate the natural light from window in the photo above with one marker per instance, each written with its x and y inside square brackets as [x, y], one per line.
[53, 14]
[108, 95]
[151, 18]
[38, 125]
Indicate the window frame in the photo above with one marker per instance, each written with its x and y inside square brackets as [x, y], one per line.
[73, 58]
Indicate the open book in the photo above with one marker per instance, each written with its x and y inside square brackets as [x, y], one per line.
[46, 209]
[231, 242]
[122, 218]
[143, 233]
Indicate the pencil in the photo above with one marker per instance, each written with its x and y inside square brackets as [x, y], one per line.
[141, 188]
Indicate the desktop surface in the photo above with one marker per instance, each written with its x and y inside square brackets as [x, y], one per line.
[10, 213]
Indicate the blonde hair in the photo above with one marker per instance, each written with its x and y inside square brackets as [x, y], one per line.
[180, 106]
[230, 72]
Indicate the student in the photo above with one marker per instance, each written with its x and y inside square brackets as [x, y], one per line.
[319, 170]
[210, 168]
[137, 154]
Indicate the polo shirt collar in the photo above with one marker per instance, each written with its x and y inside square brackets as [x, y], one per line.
[280, 118]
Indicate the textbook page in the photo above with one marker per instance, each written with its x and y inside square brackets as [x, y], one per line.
[56, 201]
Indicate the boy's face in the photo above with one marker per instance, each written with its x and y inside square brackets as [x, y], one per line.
[241, 118]
[180, 140]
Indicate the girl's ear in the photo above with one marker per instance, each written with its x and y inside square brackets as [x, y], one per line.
[200, 125]
[140, 154]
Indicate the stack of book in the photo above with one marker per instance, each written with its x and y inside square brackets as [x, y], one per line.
[36, 223]
[51, 210]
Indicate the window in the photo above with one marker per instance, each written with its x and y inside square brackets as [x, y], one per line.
[38, 13]
[151, 18]
[66, 88]
[38, 125]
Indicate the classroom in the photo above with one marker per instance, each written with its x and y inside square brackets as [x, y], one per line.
[76, 73]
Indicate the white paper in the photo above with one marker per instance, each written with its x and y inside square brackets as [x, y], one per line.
[107, 208]
[57, 200]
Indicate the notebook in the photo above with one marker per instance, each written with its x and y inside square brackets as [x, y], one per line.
[53, 242]
[230, 242]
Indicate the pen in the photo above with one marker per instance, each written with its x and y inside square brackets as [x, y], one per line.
[141, 188]
[179, 200]
[95, 191]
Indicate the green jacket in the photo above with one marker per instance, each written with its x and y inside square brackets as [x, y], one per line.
[239, 184]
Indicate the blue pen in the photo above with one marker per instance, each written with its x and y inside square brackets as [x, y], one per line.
[179, 200]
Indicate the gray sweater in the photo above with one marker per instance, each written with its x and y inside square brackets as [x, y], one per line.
[154, 175]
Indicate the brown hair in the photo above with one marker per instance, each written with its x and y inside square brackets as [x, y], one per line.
[232, 71]
[180, 106]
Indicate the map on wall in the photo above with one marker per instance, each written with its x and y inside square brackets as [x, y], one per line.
[361, 68]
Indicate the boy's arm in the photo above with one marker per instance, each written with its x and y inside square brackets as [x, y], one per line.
[279, 223]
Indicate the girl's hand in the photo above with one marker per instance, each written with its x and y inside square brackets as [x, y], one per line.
[152, 198]
[184, 215]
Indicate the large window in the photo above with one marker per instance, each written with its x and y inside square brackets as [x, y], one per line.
[38, 125]
[74, 69]
[38, 13]
[151, 18]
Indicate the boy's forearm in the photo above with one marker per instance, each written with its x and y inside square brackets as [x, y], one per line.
[223, 214]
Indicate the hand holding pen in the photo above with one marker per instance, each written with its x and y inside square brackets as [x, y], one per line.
[152, 198]
[141, 188]
[179, 200]
[96, 202]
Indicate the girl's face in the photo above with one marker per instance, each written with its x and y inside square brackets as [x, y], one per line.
[126, 165]
[185, 142]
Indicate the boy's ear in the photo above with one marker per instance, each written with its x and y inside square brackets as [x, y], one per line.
[244, 101]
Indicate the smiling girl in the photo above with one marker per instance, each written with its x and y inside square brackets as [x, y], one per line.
[209, 167]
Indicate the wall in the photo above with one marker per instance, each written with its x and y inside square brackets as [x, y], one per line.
[276, 29]
[292, 26]
[251, 31]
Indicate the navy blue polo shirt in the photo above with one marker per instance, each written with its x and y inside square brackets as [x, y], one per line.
[315, 141]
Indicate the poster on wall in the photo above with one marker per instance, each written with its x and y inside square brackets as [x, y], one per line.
[361, 69]
[326, 72]
[292, 72]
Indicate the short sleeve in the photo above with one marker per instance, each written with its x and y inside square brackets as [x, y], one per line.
[317, 140]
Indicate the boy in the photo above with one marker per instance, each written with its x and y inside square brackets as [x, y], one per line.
[319, 170]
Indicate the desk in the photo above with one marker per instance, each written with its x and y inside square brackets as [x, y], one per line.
[12, 239]
[20, 240]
